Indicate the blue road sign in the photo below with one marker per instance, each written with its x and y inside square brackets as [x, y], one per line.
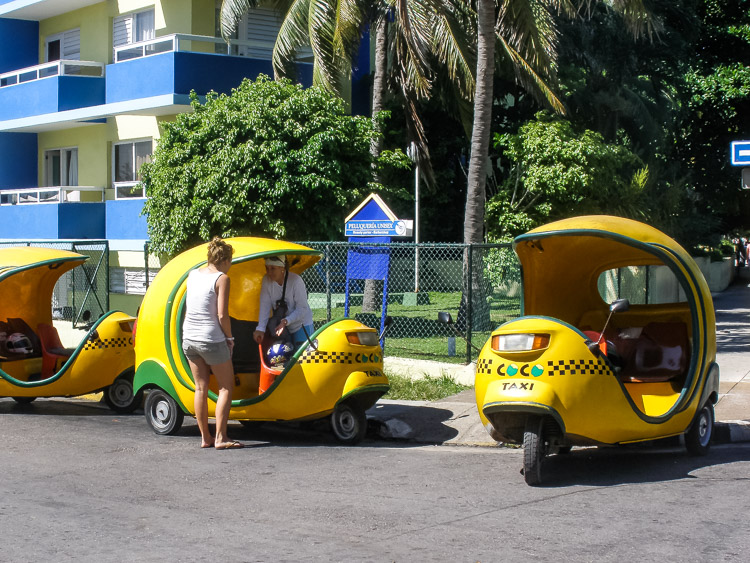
[741, 153]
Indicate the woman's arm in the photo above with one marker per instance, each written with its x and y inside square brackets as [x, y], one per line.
[222, 306]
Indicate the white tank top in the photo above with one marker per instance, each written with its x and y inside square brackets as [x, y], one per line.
[201, 313]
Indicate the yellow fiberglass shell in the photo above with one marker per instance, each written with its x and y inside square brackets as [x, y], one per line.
[27, 280]
[311, 384]
[561, 264]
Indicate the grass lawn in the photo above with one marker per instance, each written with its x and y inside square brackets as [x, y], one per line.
[425, 389]
[416, 333]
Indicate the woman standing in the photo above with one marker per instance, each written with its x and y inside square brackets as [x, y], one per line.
[207, 341]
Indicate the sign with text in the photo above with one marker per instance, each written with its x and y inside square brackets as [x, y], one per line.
[378, 228]
[740, 153]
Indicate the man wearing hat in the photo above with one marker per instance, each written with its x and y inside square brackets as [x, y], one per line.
[299, 316]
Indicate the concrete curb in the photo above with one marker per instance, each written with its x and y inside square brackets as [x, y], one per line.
[731, 432]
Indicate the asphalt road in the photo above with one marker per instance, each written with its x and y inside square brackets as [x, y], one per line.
[79, 483]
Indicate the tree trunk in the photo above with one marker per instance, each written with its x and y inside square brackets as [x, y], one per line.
[370, 300]
[477, 178]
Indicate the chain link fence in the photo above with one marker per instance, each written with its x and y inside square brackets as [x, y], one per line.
[85, 288]
[480, 285]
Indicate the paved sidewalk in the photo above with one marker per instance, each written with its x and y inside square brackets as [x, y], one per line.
[455, 420]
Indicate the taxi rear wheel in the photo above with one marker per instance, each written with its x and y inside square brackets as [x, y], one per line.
[698, 437]
[163, 413]
[119, 396]
[24, 400]
[534, 450]
[349, 424]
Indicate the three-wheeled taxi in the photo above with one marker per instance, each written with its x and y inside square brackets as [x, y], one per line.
[33, 362]
[617, 344]
[337, 373]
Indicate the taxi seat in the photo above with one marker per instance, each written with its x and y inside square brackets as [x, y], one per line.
[658, 352]
[52, 349]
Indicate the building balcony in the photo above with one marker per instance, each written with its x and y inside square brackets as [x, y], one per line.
[66, 212]
[174, 65]
[51, 88]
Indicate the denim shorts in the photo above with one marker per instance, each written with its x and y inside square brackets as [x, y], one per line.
[213, 353]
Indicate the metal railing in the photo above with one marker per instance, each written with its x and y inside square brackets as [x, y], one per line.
[54, 194]
[182, 42]
[55, 68]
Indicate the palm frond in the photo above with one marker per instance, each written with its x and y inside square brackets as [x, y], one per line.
[292, 34]
[529, 28]
[528, 77]
[452, 30]
[231, 14]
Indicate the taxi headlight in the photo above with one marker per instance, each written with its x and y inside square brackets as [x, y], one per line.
[363, 338]
[519, 342]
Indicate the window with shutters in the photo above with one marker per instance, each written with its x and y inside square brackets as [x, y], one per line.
[133, 28]
[260, 26]
[65, 45]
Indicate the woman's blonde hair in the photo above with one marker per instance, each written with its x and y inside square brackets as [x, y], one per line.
[218, 251]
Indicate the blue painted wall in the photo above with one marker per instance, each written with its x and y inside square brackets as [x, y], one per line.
[124, 220]
[181, 72]
[81, 220]
[19, 44]
[361, 79]
[52, 221]
[18, 162]
[50, 95]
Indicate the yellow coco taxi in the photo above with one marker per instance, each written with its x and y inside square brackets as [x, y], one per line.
[582, 367]
[337, 374]
[33, 362]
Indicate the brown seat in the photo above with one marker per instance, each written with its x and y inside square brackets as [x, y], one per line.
[52, 349]
[660, 353]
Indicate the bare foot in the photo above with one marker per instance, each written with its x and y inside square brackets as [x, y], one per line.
[231, 445]
[207, 444]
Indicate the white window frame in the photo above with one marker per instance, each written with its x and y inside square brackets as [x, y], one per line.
[128, 188]
[125, 28]
[70, 45]
[64, 168]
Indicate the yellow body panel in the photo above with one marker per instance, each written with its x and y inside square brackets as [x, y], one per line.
[582, 391]
[310, 386]
[27, 279]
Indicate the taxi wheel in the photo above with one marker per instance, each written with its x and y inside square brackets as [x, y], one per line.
[698, 437]
[349, 424]
[24, 400]
[534, 450]
[163, 413]
[119, 396]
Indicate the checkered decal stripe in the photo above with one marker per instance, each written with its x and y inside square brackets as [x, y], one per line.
[321, 357]
[577, 367]
[484, 366]
[99, 344]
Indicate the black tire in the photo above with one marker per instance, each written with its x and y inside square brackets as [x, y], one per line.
[698, 437]
[24, 400]
[119, 396]
[163, 414]
[534, 450]
[349, 424]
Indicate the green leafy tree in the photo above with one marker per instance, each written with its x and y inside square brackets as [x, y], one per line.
[557, 172]
[271, 159]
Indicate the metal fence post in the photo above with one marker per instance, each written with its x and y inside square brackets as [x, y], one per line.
[328, 282]
[145, 260]
[470, 299]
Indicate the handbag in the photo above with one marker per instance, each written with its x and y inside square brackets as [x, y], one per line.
[280, 311]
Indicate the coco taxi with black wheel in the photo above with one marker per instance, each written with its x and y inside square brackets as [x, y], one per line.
[337, 374]
[33, 362]
[616, 345]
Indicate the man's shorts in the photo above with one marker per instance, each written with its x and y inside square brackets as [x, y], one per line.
[213, 353]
